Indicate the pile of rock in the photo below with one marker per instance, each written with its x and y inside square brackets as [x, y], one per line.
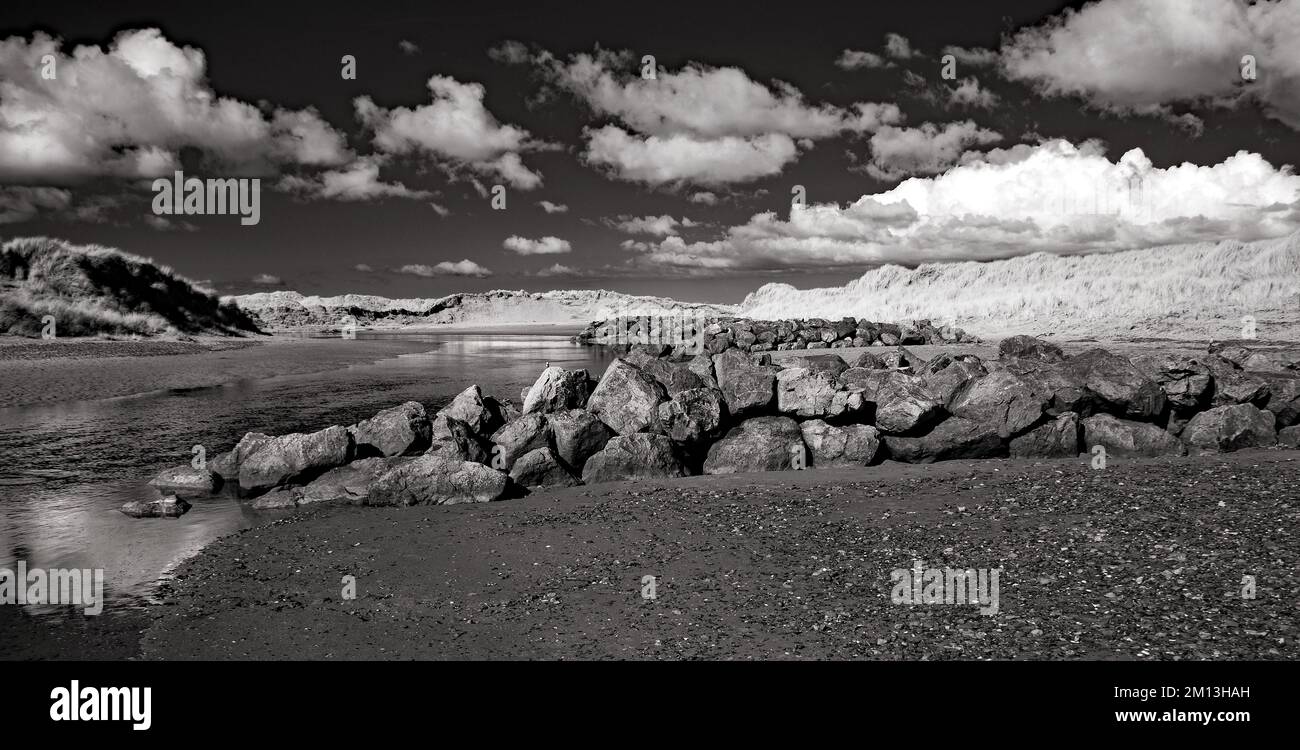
[716, 335]
[654, 414]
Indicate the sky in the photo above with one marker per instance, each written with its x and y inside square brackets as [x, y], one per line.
[690, 150]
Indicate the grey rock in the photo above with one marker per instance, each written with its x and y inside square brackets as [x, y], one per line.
[578, 434]
[400, 430]
[1116, 385]
[747, 388]
[952, 439]
[830, 364]
[693, 416]
[436, 480]
[1007, 402]
[294, 459]
[627, 399]
[1058, 438]
[540, 468]
[450, 434]
[529, 432]
[347, 484]
[557, 389]
[839, 445]
[169, 506]
[186, 481]
[1230, 428]
[482, 414]
[635, 456]
[1121, 437]
[758, 444]
[1029, 347]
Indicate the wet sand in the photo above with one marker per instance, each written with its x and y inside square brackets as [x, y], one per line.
[1141, 560]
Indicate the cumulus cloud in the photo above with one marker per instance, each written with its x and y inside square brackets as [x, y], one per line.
[661, 226]
[704, 198]
[851, 59]
[465, 267]
[128, 110]
[561, 270]
[700, 125]
[969, 94]
[544, 246]
[1141, 56]
[363, 267]
[455, 130]
[928, 149]
[897, 47]
[1052, 197]
[977, 56]
[266, 279]
[358, 181]
[510, 52]
[440, 209]
[408, 47]
[553, 208]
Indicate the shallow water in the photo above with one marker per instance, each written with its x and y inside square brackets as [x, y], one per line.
[66, 468]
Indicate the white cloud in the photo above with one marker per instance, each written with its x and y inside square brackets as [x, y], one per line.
[363, 267]
[1143, 55]
[358, 181]
[851, 59]
[661, 226]
[465, 267]
[456, 130]
[977, 56]
[544, 246]
[510, 52]
[1051, 197]
[969, 94]
[553, 208]
[928, 149]
[897, 47]
[704, 198]
[266, 279]
[408, 47]
[658, 160]
[440, 209]
[561, 270]
[128, 111]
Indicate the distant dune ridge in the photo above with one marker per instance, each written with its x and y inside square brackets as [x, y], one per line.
[1194, 290]
[499, 307]
[91, 290]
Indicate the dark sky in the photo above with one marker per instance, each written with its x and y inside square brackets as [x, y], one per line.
[288, 54]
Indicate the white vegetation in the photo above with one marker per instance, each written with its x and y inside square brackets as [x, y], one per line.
[1198, 290]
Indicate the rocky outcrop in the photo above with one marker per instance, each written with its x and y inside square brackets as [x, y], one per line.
[747, 388]
[457, 438]
[227, 464]
[294, 459]
[902, 404]
[758, 444]
[558, 389]
[529, 432]
[627, 399]
[1115, 385]
[436, 480]
[399, 431]
[1230, 428]
[1007, 402]
[693, 416]
[1121, 437]
[636, 456]
[578, 434]
[807, 394]
[483, 415]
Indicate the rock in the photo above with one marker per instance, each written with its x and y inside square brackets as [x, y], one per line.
[186, 481]
[227, 464]
[806, 394]
[1230, 428]
[902, 404]
[1009, 403]
[557, 389]
[1284, 400]
[294, 459]
[1116, 385]
[861, 378]
[758, 444]
[952, 439]
[1289, 436]
[747, 388]
[901, 359]
[702, 365]
[869, 361]
[1270, 362]
[401, 430]
[888, 339]
[635, 456]
[1233, 386]
[1186, 382]
[436, 480]
[673, 376]
[642, 354]
[1058, 438]
[693, 416]
[482, 414]
[847, 445]
[577, 435]
[830, 364]
[1124, 438]
[540, 468]
[627, 399]
[527, 433]
[450, 434]
[347, 484]
[279, 498]
[945, 376]
[169, 506]
[1029, 347]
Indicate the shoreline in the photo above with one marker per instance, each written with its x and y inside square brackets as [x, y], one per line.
[783, 565]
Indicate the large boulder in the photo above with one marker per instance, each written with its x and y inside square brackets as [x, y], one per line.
[1230, 428]
[1002, 399]
[758, 444]
[482, 413]
[577, 435]
[1029, 347]
[294, 459]
[675, 377]
[1234, 386]
[450, 434]
[1289, 436]
[227, 464]
[839, 445]
[437, 480]
[693, 416]
[702, 365]
[540, 468]
[347, 484]
[1121, 437]
[869, 361]
[1187, 382]
[1284, 400]
[946, 375]
[186, 481]
[747, 388]
[902, 404]
[814, 395]
[529, 432]
[557, 389]
[1116, 385]
[169, 506]
[634, 456]
[1058, 438]
[627, 399]
[830, 364]
[952, 439]
[398, 431]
